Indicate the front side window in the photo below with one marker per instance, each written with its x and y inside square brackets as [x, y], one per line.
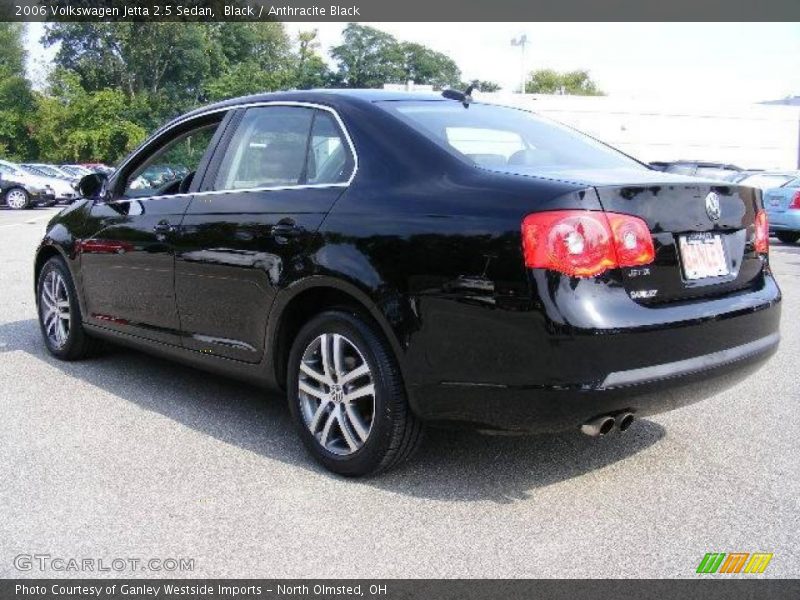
[499, 137]
[170, 169]
[285, 146]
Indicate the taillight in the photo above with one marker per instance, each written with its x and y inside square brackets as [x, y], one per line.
[795, 200]
[582, 243]
[762, 232]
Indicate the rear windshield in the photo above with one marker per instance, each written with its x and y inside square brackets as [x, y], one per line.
[498, 137]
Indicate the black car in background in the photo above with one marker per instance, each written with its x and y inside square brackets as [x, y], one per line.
[390, 260]
[18, 194]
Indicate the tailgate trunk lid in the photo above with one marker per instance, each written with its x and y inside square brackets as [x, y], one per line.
[703, 233]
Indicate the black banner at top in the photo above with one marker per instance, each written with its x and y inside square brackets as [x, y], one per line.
[399, 10]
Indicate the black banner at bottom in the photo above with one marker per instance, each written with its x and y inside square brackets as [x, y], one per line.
[398, 589]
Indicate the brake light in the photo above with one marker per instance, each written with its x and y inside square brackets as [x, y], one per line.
[582, 243]
[795, 200]
[762, 232]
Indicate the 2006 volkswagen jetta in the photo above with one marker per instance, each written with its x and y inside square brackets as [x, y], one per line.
[390, 260]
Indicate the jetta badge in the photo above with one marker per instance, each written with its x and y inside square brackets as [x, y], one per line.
[712, 206]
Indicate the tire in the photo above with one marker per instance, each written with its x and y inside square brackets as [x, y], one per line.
[60, 315]
[18, 198]
[788, 237]
[339, 424]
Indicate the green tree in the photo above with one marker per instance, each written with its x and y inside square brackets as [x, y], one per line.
[16, 97]
[257, 57]
[310, 68]
[167, 61]
[549, 81]
[75, 125]
[428, 67]
[368, 57]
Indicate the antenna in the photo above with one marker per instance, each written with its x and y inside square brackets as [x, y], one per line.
[464, 97]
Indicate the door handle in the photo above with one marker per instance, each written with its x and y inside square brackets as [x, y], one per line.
[165, 227]
[286, 228]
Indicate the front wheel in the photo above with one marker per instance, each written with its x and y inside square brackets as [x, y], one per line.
[17, 199]
[788, 237]
[347, 397]
[60, 314]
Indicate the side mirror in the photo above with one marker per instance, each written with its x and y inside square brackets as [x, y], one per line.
[93, 186]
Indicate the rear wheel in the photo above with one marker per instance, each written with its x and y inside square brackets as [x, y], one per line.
[17, 199]
[347, 397]
[60, 315]
[788, 237]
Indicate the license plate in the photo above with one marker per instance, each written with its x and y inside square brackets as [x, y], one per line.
[703, 255]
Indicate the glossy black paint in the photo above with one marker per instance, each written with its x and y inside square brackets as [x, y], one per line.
[430, 247]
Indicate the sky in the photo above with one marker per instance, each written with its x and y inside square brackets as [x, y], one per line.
[748, 62]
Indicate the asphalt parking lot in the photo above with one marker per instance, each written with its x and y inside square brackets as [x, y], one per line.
[128, 456]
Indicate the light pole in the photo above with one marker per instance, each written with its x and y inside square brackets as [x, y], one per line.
[521, 41]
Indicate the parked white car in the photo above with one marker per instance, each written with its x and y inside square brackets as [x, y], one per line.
[62, 189]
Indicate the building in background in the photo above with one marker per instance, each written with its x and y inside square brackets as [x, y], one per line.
[752, 136]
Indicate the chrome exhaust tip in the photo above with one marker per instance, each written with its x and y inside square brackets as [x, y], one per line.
[624, 421]
[598, 426]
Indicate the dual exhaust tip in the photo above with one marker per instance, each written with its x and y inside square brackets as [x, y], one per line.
[600, 426]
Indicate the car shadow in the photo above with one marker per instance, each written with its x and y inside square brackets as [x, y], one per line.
[452, 465]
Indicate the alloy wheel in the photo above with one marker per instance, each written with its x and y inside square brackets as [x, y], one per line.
[16, 199]
[336, 392]
[54, 300]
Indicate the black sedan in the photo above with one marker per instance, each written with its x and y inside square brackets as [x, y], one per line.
[18, 194]
[393, 260]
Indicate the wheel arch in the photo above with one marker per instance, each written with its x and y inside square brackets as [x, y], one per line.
[43, 254]
[297, 304]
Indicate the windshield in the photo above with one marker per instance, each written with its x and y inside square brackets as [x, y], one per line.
[33, 171]
[497, 137]
[766, 181]
[48, 170]
[793, 183]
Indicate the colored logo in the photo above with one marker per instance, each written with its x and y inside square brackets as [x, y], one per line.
[734, 562]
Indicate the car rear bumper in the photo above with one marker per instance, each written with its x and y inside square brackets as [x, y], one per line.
[644, 370]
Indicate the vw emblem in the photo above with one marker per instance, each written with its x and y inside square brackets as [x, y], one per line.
[337, 394]
[712, 206]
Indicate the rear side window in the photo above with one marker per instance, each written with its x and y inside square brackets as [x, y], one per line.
[284, 146]
[329, 160]
[500, 137]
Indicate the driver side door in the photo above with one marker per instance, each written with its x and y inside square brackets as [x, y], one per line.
[128, 264]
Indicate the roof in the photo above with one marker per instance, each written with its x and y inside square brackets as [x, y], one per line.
[364, 95]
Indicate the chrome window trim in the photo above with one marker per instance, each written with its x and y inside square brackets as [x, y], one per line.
[297, 103]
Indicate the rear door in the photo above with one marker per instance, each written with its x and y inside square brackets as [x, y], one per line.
[247, 232]
[703, 235]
